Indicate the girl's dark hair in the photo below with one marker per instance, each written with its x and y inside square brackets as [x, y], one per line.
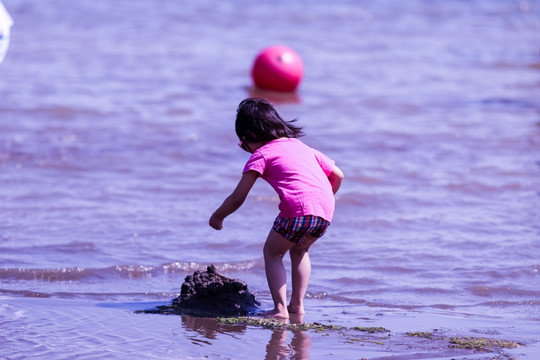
[258, 121]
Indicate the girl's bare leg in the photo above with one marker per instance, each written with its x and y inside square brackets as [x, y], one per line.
[274, 249]
[300, 274]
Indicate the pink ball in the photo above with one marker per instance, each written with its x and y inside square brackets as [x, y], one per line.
[277, 68]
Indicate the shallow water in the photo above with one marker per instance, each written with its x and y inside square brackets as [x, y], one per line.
[117, 142]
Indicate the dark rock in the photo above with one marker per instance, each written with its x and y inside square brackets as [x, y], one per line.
[209, 294]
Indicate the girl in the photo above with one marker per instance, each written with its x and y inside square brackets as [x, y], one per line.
[305, 180]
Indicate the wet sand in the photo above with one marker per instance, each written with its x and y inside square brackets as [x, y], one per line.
[71, 328]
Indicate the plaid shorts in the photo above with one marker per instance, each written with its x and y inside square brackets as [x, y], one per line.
[296, 229]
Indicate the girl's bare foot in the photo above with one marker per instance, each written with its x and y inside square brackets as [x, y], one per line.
[274, 314]
[296, 309]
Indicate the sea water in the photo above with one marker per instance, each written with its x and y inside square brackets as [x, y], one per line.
[117, 143]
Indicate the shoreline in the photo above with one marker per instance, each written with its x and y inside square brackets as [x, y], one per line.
[114, 330]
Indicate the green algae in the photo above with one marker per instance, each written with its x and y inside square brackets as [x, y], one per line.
[371, 330]
[420, 334]
[352, 340]
[482, 344]
[277, 324]
[270, 323]
[471, 343]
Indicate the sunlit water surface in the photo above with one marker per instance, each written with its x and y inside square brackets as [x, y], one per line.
[117, 142]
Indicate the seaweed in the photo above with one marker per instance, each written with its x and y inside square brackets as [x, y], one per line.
[482, 344]
[272, 323]
[470, 343]
[371, 330]
[420, 334]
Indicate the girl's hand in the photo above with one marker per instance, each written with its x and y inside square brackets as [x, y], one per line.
[235, 200]
[216, 222]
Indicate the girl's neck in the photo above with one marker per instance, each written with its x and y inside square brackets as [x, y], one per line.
[256, 145]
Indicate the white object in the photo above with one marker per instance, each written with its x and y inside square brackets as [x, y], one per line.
[5, 26]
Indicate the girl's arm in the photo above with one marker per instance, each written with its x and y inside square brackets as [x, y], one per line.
[335, 178]
[235, 200]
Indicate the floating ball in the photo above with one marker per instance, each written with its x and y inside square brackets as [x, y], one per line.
[277, 68]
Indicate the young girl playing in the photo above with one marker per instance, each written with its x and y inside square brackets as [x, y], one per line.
[305, 180]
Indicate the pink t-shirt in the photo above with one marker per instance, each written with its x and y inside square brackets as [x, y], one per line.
[299, 174]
